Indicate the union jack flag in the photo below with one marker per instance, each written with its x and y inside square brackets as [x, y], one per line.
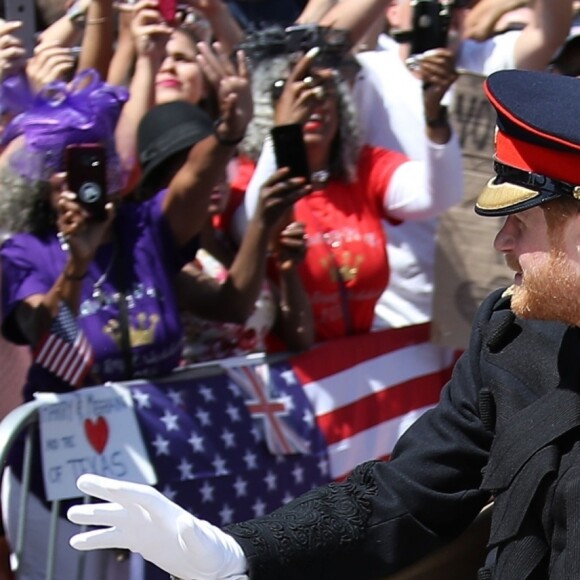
[64, 350]
[273, 410]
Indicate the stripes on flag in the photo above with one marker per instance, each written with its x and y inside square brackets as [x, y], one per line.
[366, 390]
[64, 350]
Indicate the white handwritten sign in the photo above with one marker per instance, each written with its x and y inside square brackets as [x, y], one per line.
[92, 430]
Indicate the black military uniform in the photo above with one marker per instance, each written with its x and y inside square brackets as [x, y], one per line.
[507, 427]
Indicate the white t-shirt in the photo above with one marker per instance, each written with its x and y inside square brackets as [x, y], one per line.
[496, 53]
[390, 106]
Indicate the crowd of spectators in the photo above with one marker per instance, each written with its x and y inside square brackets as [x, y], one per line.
[205, 241]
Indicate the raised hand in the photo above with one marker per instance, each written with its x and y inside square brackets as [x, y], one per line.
[144, 521]
[291, 246]
[232, 80]
[437, 70]
[150, 32]
[278, 194]
[82, 235]
[50, 62]
[12, 51]
[302, 91]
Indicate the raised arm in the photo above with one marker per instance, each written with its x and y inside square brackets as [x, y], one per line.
[225, 27]
[15, 95]
[68, 29]
[314, 11]
[356, 16]
[548, 29]
[481, 20]
[98, 37]
[81, 237]
[185, 206]
[123, 59]
[233, 300]
[424, 189]
[149, 36]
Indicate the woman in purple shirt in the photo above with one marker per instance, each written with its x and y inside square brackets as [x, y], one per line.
[103, 285]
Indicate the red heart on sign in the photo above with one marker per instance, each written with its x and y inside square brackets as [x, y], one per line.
[97, 433]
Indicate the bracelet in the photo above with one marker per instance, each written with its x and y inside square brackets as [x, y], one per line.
[72, 278]
[96, 20]
[222, 140]
[439, 121]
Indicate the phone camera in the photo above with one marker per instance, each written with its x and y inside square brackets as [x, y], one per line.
[90, 192]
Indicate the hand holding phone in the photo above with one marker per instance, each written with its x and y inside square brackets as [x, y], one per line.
[430, 26]
[290, 150]
[86, 167]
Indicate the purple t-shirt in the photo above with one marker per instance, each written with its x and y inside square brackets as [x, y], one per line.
[148, 258]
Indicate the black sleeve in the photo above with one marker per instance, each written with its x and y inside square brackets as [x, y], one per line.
[386, 515]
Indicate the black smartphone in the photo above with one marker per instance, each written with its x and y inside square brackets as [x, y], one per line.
[430, 25]
[290, 150]
[86, 167]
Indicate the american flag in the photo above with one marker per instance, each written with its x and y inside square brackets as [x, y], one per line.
[366, 390]
[348, 400]
[210, 453]
[64, 350]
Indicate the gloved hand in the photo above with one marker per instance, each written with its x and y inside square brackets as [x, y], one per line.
[144, 521]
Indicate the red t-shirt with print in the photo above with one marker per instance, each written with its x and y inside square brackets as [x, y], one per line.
[346, 267]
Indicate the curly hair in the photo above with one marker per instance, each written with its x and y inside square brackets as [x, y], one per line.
[347, 143]
[24, 204]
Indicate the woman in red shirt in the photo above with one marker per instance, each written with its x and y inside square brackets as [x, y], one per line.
[356, 186]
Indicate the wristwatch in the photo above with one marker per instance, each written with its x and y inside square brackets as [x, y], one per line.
[440, 120]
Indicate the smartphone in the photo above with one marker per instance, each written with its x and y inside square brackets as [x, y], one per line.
[430, 25]
[290, 150]
[25, 11]
[86, 167]
[168, 9]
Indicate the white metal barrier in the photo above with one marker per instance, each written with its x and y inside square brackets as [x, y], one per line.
[23, 420]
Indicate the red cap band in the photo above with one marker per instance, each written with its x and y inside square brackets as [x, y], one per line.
[561, 165]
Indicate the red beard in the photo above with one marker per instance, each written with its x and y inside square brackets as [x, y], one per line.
[548, 291]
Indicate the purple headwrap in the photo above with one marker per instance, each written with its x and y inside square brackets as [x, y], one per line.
[84, 111]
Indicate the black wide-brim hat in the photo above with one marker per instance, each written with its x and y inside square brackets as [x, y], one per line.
[168, 129]
[537, 143]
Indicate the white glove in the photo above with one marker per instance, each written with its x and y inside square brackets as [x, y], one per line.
[145, 521]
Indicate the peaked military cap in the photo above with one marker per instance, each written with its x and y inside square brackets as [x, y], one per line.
[537, 143]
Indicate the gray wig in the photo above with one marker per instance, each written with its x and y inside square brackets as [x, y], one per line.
[347, 144]
[24, 204]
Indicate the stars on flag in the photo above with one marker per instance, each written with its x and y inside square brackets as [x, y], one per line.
[210, 453]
